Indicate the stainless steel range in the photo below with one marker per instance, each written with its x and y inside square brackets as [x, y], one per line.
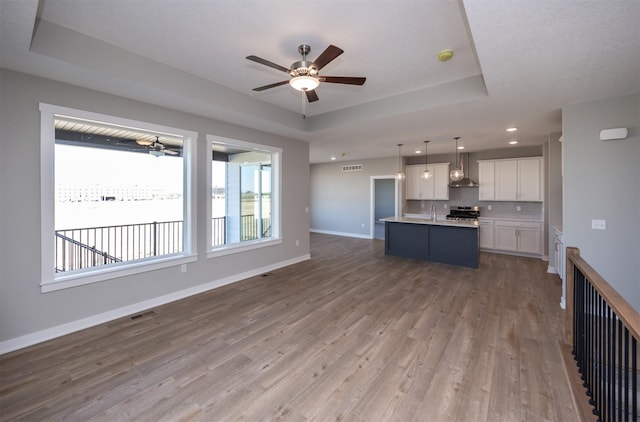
[464, 214]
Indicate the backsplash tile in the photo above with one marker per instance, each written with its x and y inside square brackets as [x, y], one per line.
[469, 197]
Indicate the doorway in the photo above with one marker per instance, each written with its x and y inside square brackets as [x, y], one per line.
[384, 202]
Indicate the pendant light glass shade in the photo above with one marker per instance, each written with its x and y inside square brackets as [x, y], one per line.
[457, 174]
[400, 174]
[426, 174]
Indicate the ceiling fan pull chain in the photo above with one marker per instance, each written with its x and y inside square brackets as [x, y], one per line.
[304, 112]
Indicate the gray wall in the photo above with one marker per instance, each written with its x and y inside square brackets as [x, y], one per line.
[340, 201]
[23, 309]
[602, 181]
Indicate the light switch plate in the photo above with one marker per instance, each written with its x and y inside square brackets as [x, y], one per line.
[599, 224]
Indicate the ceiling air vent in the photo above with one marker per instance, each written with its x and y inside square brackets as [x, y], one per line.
[352, 167]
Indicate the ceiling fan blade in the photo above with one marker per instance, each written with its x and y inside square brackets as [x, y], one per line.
[328, 55]
[349, 80]
[267, 63]
[312, 96]
[262, 88]
[170, 152]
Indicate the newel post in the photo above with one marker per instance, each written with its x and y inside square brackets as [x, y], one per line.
[569, 277]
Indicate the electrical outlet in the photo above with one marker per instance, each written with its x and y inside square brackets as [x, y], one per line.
[422, 205]
[518, 208]
[297, 243]
[599, 224]
[446, 206]
[183, 268]
[489, 207]
[363, 225]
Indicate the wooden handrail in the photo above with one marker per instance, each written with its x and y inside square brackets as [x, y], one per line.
[625, 312]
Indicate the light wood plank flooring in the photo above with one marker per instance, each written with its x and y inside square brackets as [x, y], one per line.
[350, 335]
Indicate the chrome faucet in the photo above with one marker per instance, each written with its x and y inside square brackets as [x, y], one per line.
[433, 212]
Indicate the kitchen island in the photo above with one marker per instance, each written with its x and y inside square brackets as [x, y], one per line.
[448, 242]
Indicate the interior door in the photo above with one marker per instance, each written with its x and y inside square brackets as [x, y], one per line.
[384, 203]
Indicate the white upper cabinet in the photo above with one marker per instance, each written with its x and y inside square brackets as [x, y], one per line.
[486, 180]
[441, 181]
[517, 179]
[437, 187]
[530, 183]
[413, 182]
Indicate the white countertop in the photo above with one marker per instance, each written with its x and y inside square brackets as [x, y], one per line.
[444, 222]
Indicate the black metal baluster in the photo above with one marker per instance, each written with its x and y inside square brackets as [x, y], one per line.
[588, 345]
[594, 349]
[613, 367]
[626, 374]
[599, 381]
[609, 367]
[577, 287]
[634, 378]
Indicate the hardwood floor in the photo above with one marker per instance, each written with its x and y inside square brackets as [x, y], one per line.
[350, 335]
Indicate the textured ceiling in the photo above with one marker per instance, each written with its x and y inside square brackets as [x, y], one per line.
[516, 63]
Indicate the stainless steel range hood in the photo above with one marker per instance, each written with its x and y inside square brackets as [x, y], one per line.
[466, 182]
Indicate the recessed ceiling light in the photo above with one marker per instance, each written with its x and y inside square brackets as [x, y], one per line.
[512, 129]
[333, 158]
[461, 147]
[513, 142]
[418, 151]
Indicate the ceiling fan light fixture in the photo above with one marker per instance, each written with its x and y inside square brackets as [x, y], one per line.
[304, 83]
[145, 142]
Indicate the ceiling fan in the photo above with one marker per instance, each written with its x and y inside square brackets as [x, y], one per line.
[305, 75]
[156, 147]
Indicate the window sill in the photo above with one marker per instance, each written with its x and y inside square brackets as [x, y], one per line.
[242, 247]
[66, 281]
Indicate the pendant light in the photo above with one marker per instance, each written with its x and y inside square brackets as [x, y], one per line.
[426, 174]
[457, 174]
[400, 174]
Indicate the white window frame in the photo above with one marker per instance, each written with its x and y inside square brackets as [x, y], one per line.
[276, 199]
[51, 281]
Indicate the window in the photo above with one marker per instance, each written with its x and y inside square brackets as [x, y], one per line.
[116, 197]
[244, 188]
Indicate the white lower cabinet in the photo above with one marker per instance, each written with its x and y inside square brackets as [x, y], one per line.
[486, 234]
[511, 236]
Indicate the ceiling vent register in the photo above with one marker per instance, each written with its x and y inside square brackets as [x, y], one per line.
[352, 167]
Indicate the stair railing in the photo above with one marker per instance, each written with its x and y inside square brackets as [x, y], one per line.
[603, 330]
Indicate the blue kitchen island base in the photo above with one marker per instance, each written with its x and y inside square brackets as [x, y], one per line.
[448, 244]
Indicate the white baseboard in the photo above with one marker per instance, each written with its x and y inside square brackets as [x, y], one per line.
[61, 330]
[360, 236]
